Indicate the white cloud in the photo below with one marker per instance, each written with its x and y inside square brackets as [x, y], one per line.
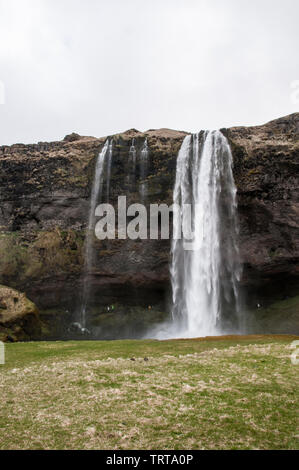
[102, 66]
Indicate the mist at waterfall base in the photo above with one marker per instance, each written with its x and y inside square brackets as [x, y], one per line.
[205, 273]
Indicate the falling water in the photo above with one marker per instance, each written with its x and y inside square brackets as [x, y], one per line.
[143, 171]
[132, 165]
[96, 194]
[205, 272]
[109, 163]
[132, 155]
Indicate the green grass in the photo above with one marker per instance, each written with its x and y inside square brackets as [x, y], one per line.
[216, 393]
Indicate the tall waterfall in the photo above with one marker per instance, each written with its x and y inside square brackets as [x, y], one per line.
[206, 271]
[143, 170]
[95, 198]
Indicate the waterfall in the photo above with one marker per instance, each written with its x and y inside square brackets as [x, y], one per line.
[109, 163]
[132, 155]
[95, 198]
[143, 171]
[132, 165]
[206, 271]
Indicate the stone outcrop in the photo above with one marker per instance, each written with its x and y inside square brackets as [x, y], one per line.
[45, 189]
[19, 317]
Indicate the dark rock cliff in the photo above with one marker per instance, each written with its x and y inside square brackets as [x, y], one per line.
[45, 190]
[266, 160]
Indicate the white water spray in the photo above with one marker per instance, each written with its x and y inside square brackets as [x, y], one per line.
[206, 273]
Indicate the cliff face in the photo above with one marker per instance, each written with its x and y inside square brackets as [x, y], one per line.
[266, 162]
[45, 190]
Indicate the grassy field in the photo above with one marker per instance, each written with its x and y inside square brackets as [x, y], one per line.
[215, 393]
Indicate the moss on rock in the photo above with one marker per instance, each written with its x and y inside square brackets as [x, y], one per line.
[19, 316]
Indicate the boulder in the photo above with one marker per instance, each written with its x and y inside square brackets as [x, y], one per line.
[19, 317]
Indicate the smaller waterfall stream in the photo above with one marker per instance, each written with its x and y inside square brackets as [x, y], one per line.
[109, 163]
[132, 155]
[132, 166]
[143, 171]
[95, 198]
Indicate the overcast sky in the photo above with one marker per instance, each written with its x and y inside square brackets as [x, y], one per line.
[98, 67]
